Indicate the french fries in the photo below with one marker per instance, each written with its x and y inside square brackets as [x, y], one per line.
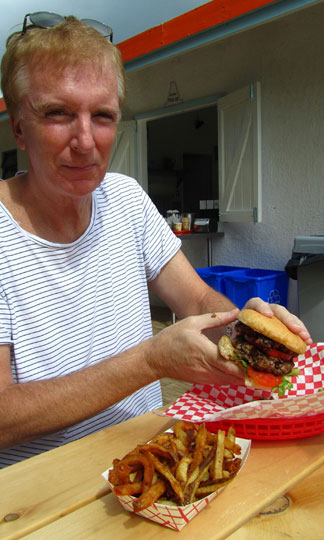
[183, 466]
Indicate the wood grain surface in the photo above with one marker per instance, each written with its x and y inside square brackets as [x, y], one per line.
[102, 519]
[303, 519]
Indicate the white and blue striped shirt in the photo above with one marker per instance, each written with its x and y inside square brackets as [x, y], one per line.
[64, 307]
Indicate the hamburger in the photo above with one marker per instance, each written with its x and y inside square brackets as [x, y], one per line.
[265, 349]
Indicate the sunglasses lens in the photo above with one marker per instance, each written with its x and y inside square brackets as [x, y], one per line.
[100, 27]
[43, 19]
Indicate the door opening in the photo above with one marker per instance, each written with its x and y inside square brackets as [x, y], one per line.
[9, 163]
[182, 158]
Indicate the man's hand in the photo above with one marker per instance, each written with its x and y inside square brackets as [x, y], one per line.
[182, 351]
[291, 321]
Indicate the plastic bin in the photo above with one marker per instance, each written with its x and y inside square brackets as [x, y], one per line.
[214, 275]
[205, 274]
[270, 285]
[307, 266]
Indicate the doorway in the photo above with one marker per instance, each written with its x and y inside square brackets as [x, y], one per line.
[9, 164]
[182, 160]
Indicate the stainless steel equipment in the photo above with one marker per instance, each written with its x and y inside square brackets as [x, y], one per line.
[308, 253]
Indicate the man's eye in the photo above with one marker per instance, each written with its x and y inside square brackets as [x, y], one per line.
[56, 113]
[107, 116]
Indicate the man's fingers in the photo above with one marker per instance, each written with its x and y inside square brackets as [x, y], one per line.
[289, 319]
[227, 372]
[213, 320]
[229, 367]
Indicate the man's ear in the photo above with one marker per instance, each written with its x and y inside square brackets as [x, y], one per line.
[17, 131]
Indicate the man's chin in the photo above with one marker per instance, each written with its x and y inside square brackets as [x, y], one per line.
[83, 180]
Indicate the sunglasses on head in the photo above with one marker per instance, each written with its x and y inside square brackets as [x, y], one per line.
[44, 19]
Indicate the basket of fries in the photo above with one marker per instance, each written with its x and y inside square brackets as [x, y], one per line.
[173, 477]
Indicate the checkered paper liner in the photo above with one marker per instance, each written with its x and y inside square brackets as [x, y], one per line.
[209, 403]
[176, 517]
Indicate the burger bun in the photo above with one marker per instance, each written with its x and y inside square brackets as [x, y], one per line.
[272, 328]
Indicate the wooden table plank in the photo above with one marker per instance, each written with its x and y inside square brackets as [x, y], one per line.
[53, 484]
[272, 468]
[105, 518]
[304, 518]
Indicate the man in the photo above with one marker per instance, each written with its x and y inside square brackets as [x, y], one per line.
[79, 249]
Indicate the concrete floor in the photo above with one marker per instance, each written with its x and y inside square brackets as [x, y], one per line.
[171, 388]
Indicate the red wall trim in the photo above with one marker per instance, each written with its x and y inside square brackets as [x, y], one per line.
[196, 20]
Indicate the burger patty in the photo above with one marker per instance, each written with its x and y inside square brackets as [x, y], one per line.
[260, 361]
[259, 340]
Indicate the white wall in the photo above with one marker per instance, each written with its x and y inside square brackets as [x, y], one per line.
[286, 56]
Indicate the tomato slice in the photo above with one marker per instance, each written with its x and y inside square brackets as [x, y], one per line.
[279, 354]
[264, 379]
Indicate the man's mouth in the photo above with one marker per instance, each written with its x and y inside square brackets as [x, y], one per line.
[80, 167]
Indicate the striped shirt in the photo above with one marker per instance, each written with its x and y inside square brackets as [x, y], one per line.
[64, 307]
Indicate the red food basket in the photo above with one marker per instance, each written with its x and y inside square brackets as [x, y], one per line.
[273, 428]
[255, 413]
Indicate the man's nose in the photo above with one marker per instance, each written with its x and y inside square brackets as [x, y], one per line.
[83, 138]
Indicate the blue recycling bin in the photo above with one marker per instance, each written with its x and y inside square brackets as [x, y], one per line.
[214, 275]
[270, 285]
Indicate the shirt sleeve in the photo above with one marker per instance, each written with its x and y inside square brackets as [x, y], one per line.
[5, 320]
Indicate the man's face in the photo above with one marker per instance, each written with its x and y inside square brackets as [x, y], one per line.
[67, 124]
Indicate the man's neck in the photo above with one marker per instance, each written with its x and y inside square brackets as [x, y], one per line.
[63, 221]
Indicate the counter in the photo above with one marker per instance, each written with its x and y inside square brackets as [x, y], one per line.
[208, 236]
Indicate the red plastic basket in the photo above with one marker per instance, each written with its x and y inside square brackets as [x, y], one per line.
[271, 429]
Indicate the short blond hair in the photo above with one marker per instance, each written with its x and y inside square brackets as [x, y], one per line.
[70, 43]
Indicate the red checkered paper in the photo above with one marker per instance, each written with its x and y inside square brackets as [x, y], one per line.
[173, 517]
[211, 403]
